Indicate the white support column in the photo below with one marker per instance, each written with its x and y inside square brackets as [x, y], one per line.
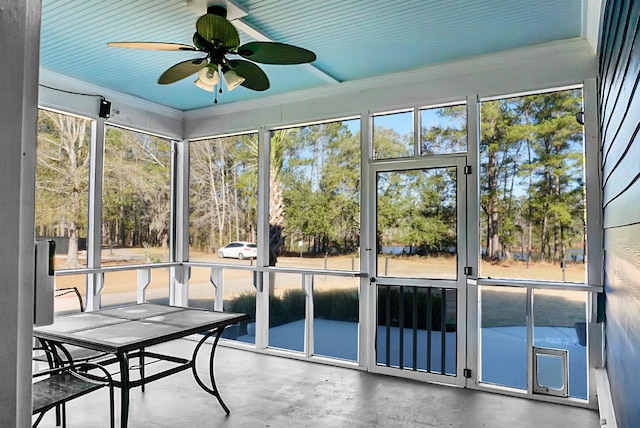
[262, 260]
[472, 236]
[95, 282]
[179, 224]
[367, 309]
[595, 258]
[264, 146]
[19, 50]
[180, 197]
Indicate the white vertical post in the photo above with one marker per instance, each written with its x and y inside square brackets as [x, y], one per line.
[262, 260]
[472, 237]
[19, 49]
[179, 244]
[530, 340]
[216, 278]
[595, 238]
[262, 310]
[179, 285]
[307, 287]
[367, 308]
[95, 282]
[144, 279]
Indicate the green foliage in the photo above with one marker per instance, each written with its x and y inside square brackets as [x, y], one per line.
[62, 178]
[531, 175]
[448, 135]
[418, 207]
[136, 188]
[531, 181]
[389, 144]
[335, 304]
[62, 172]
[243, 303]
[507, 309]
[288, 307]
[320, 176]
[392, 301]
[223, 180]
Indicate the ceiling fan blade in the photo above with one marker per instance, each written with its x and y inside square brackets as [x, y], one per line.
[181, 70]
[275, 53]
[155, 46]
[254, 77]
[216, 29]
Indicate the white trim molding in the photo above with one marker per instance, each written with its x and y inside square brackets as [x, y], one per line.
[605, 404]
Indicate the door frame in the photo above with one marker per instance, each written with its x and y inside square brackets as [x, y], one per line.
[460, 283]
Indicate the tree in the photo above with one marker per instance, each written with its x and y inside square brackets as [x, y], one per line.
[556, 140]
[62, 177]
[531, 174]
[222, 190]
[320, 178]
[278, 145]
[447, 135]
[340, 186]
[497, 145]
[418, 208]
[136, 188]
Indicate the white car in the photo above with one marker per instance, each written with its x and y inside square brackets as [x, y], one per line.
[239, 250]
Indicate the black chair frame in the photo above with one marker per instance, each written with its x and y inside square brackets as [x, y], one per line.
[54, 387]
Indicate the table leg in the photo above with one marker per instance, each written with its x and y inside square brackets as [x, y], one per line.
[214, 389]
[142, 367]
[124, 389]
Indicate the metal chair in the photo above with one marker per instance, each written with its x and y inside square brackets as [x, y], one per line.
[54, 387]
[59, 292]
[56, 356]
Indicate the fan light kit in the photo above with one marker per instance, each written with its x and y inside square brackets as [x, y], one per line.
[208, 78]
[216, 37]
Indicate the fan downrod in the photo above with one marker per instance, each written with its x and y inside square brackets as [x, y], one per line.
[217, 10]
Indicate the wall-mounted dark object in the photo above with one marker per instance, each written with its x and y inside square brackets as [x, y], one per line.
[580, 117]
[105, 109]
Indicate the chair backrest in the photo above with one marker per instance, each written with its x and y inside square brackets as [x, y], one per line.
[59, 292]
[63, 382]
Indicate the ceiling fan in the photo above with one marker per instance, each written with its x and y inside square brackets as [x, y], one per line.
[216, 37]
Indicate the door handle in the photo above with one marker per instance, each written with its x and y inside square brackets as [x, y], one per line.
[372, 279]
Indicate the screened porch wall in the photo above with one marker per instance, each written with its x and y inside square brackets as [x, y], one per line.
[542, 67]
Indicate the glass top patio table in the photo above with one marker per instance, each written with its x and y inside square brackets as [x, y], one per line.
[132, 327]
[126, 331]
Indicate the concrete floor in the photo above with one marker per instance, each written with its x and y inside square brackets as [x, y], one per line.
[269, 391]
